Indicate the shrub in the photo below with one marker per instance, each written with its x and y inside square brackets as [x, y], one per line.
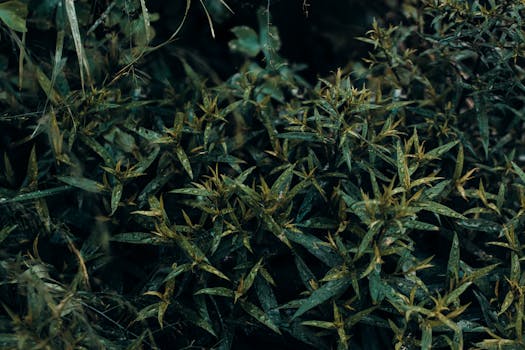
[376, 208]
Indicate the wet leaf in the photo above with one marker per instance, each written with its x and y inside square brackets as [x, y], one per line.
[402, 167]
[321, 295]
[82, 183]
[139, 238]
[259, 315]
[213, 270]
[183, 158]
[440, 209]
[315, 246]
[439, 151]
[453, 260]
[218, 291]
[29, 196]
[116, 194]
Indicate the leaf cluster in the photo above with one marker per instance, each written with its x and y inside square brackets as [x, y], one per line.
[376, 209]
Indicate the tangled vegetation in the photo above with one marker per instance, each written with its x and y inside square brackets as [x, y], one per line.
[149, 202]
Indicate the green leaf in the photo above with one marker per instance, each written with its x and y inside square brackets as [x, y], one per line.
[507, 302]
[146, 21]
[324, 293]
[282, 184]
[35, 195]
[305, 273]
[437, 191]
[460, 159]
[440, 209]
[145, 162]
[358, 316]
[194, 252]
[301, 136]
[154, 185]
[259, 315]
[518, 171]
[177, 270]
[319, 324]
[426, 338]
[192, 191]
[247, 41]
[376, 286]
[98, 149]
[515, 267]
[419, 225]
[402, 167]
[200, 319]
[483, 122]
[439, 151]
[183, 158]
[456, 293]
[116, 194]
[213, 270]
[307, 335]
[204, 321]
[319, 222]
[481, 225]
[82, 183]
[267, 298]
[250, 278]
[32, 170]
[453, 259]
[315, 246]
[139, 238]
[347, 155]
[5, 231]
[275, 228]
[218, 291]
[268, 37]
[14, 13]
[483, 272]
[367, 239]
[46, 85]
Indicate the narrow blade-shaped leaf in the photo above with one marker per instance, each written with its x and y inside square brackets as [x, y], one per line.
[82, 183]
[324, 293]
[259, 315]
[183, 158]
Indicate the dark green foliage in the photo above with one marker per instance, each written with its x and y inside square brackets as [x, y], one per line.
[151, 204]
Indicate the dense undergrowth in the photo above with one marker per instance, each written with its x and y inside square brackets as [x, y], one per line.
[152, 204]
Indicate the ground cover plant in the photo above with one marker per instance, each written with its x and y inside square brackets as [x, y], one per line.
[162, 192]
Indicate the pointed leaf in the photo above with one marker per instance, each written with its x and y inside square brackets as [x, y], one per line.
[116, 194]
[259, 315]
[139, 238]
[219, 291]
[453, 259]
[82, 183]
[440, 209]
[324, 293]
[183, 158]
[213, 270]
[439, 151]
[402, 167]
